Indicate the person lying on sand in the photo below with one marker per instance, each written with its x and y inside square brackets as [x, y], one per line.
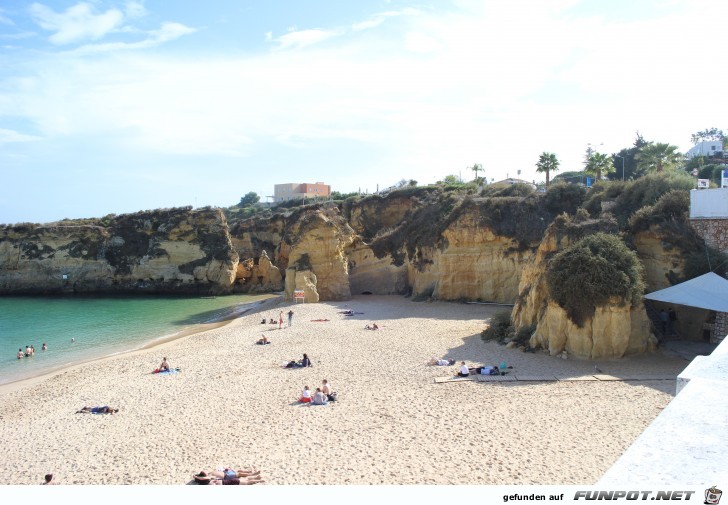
[441, 362]
[263, 341]
[372, 327]
[97, 410]
[229, 473]
[228, 477]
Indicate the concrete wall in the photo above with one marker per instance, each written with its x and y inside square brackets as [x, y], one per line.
[686, 445]
[709, 203]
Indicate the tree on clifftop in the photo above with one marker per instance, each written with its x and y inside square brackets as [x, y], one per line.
[249, 199]
[547, 163]
[589, 273]
[657, 156]
[598, 164]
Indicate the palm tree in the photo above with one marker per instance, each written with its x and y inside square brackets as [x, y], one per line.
[475, 168]
[599, 163]
[547, 163]
[658, 157]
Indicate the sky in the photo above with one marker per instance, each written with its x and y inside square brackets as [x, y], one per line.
[118, 106]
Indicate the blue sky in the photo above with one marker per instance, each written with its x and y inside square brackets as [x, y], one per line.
[119, 106]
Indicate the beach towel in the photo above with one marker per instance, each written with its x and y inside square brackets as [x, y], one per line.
[166, 372]
[319, 320]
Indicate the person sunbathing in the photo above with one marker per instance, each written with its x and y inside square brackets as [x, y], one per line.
[97, 410]
[263, 341]
[229, 477]
[441, 362]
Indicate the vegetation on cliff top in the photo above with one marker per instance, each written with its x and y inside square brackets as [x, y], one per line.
[592, 272]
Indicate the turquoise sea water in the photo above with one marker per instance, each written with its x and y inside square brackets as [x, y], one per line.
[100, 326]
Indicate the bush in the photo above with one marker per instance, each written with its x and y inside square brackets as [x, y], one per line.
[704, 261]
[564, 197]
[647, 190]
[590, 272]
[500, 328]
[672, 206]
[518, 189]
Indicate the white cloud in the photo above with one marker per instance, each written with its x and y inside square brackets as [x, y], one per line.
[166, 33]
[134, 9]
[77, 23]
[8, 136]
[496, 85]
[4, 20]
[302, 38]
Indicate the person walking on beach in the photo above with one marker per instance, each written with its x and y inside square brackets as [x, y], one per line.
[290, 318]
[280, 320]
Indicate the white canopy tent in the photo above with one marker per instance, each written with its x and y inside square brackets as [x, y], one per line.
[709, 291]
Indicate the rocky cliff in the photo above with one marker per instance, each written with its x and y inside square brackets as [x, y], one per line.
[164, 251]
[614, 329]
[425, 242]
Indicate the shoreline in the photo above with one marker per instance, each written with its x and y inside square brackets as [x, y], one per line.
[234, 404]
[156, 342]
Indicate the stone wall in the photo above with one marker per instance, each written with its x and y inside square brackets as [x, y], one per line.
[721, 326]
[713, 231]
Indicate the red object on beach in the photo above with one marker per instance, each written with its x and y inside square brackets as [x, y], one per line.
[156, 370]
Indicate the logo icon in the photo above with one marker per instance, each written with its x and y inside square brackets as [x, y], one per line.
[712, 496]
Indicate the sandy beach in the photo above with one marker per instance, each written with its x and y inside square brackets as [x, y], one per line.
[233, 404]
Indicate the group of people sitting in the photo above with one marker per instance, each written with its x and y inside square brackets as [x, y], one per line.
[322, 396]
[305, 362]
[229, 477]
[466, 371]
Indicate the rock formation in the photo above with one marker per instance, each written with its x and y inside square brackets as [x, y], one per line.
[164, 251]
[427, 242]
[615, 329]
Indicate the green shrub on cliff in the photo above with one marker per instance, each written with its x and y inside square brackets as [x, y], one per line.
[590, 272]
[500, 327]
[563, 197]
[647, 190]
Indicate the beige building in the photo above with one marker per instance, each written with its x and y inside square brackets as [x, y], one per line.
[293, 191]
